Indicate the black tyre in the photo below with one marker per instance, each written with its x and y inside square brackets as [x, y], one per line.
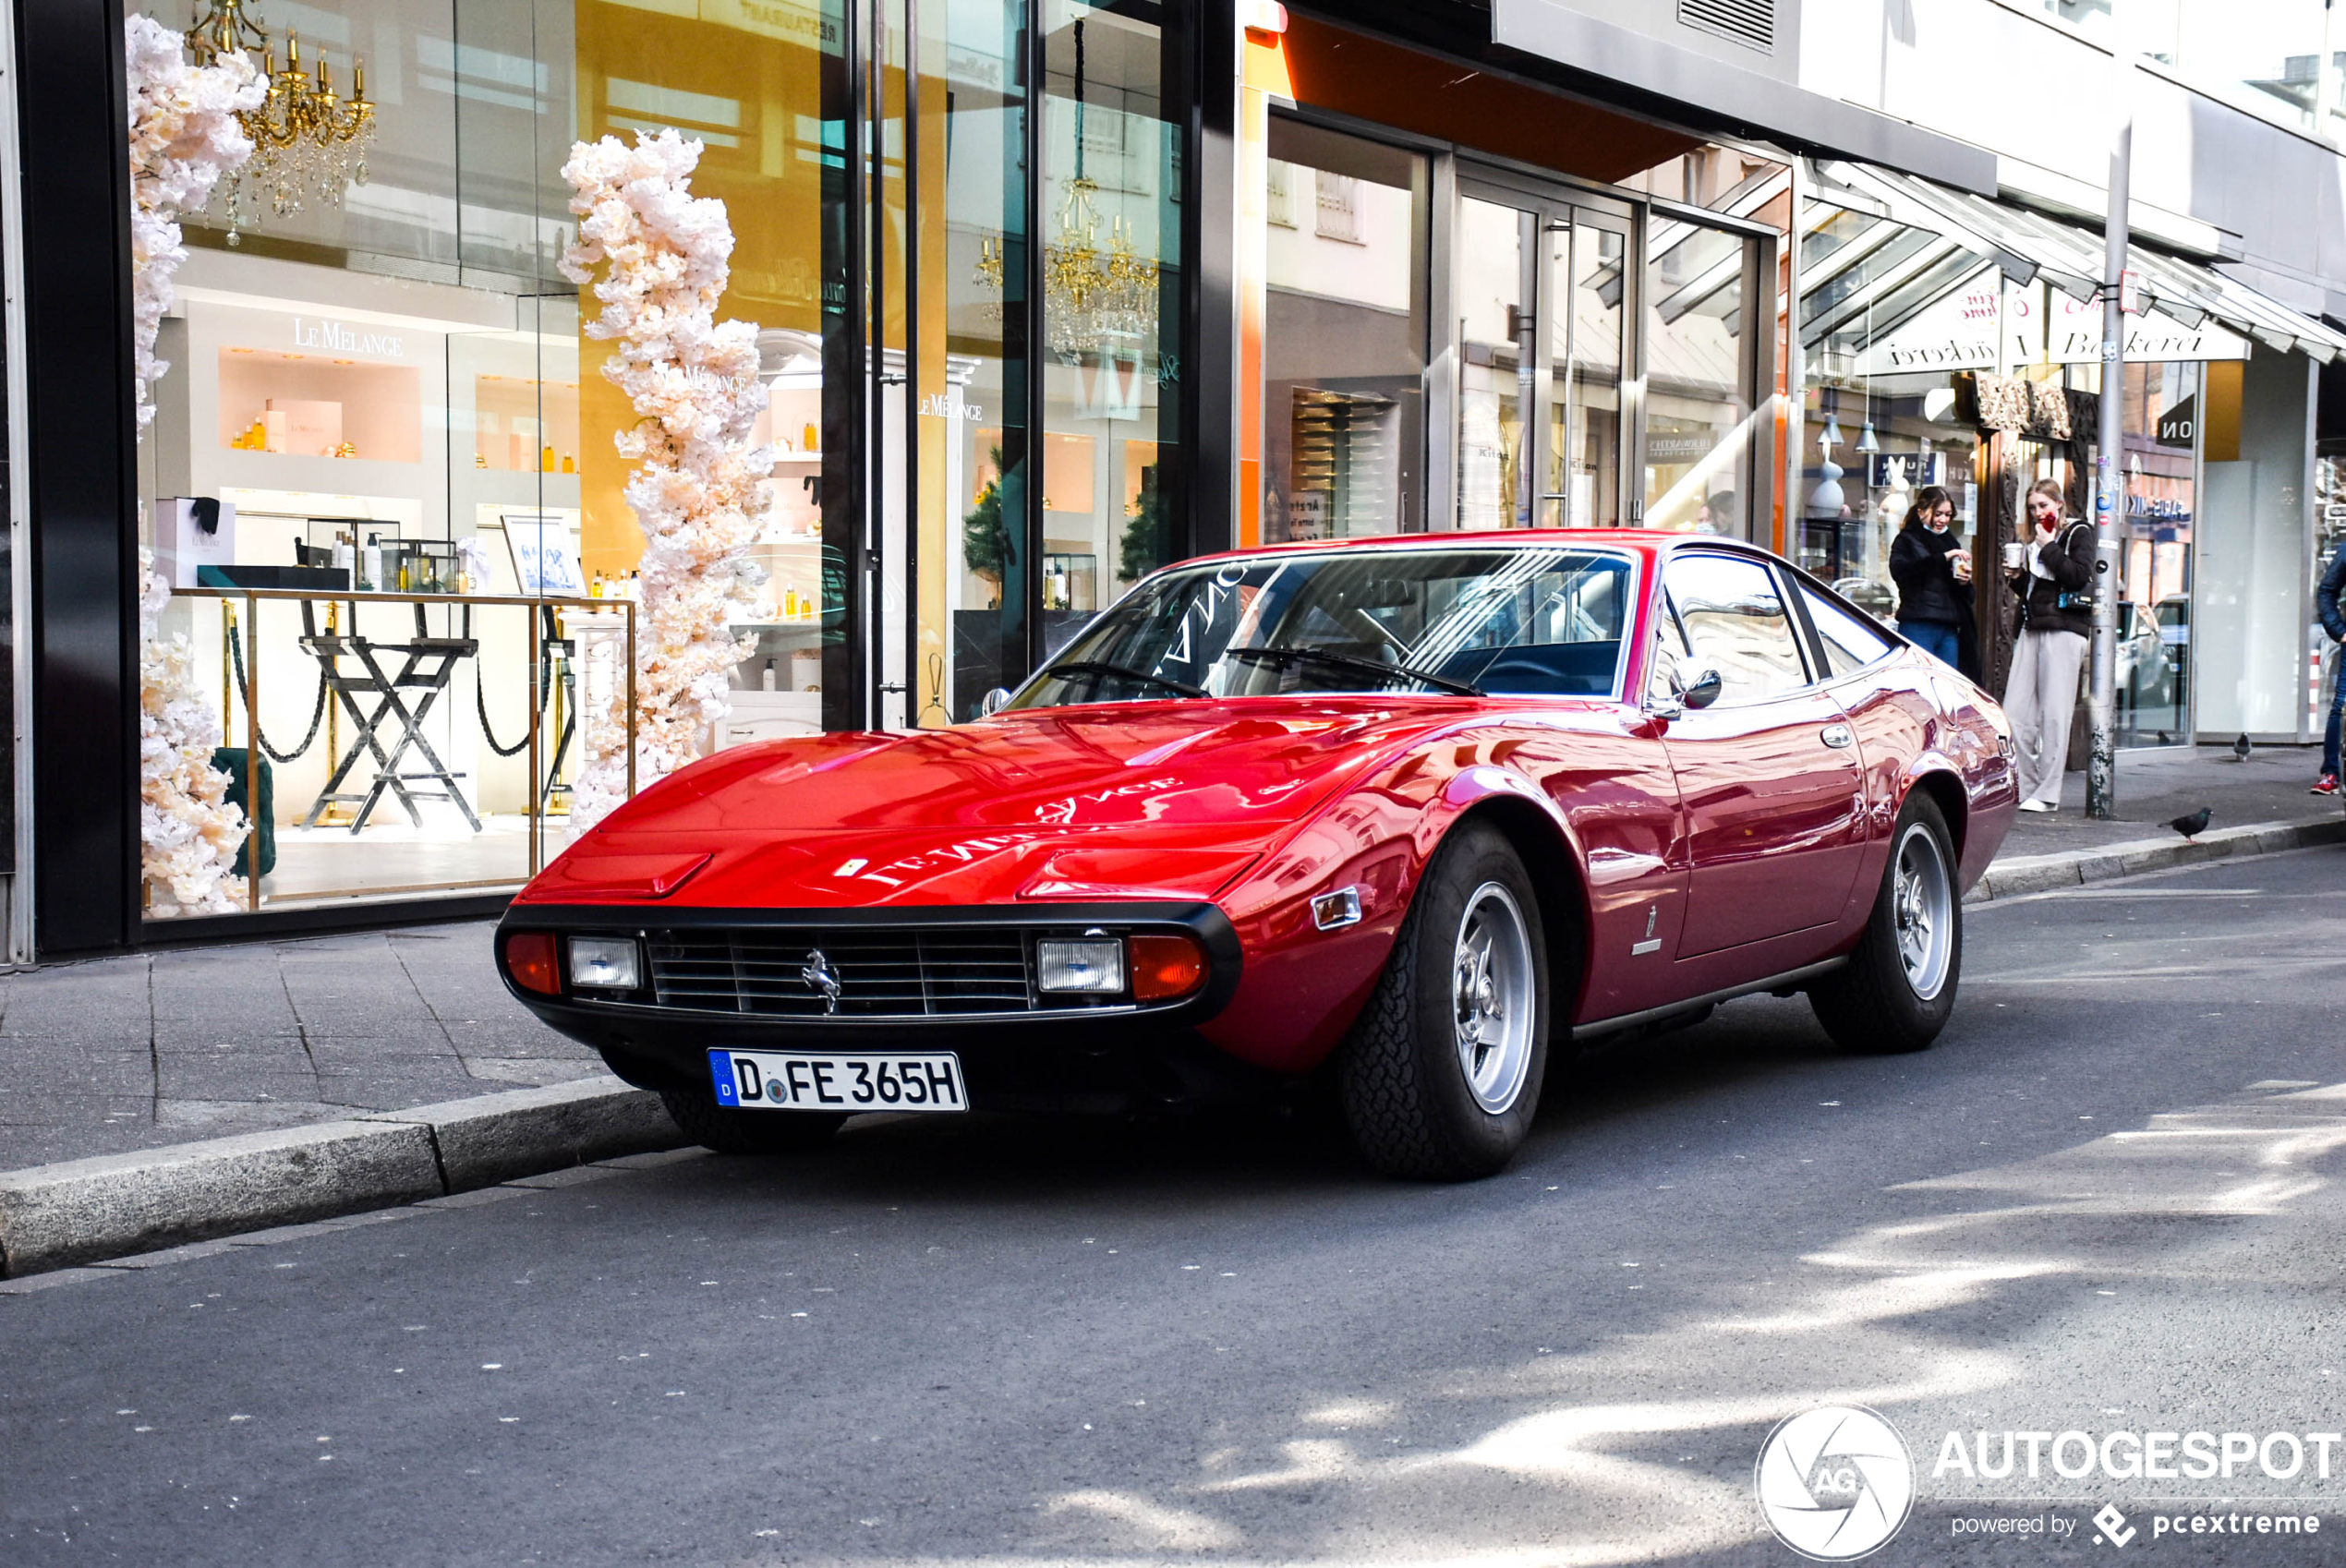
[714, 1127]
[1440, 1076]
[1898, 988]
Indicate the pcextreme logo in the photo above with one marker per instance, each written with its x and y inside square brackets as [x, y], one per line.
[1835, 1483]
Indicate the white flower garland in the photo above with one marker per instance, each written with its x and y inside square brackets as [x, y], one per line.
[696, 489]
[184, 136]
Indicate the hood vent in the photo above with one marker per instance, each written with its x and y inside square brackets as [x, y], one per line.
[1746, 21]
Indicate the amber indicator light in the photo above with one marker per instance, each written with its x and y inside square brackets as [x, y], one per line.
[1166, 967]
[529, 958]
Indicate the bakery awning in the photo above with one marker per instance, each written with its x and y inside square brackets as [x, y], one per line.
[2026, 245]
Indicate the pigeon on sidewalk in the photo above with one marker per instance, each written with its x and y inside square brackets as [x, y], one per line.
[2240, 749]
[2193, 824]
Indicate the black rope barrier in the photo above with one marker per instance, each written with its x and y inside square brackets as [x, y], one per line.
[317, 711]
[481, 706]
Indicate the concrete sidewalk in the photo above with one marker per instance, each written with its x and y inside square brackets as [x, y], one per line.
[114, 1054]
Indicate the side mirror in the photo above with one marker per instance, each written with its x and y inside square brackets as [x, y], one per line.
[1703, 690]
[992, 702]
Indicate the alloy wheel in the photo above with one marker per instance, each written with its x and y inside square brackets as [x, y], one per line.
[1493, 1003]
[1923, 901]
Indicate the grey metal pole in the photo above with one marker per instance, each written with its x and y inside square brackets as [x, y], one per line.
[2110, 473]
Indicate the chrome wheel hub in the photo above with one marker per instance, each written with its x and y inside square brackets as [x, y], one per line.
[1494, 1000]
[1922, 903]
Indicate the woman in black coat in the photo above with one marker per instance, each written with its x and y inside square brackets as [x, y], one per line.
[1933, 572]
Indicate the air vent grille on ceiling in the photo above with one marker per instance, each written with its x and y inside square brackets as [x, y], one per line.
[1746, 21]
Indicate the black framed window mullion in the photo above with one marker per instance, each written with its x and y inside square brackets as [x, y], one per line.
[1030, 586]
[845, 376]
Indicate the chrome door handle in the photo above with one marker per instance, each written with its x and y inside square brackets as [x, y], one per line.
[1837, 736]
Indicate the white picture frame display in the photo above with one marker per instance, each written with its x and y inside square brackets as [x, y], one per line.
[544, 550]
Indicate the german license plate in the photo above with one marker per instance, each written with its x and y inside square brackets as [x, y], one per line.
[856, 1081]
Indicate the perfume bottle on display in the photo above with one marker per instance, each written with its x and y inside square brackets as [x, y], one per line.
[370, 564]
[546, 461]
[569, 464]
[595, 589]
[766, 678]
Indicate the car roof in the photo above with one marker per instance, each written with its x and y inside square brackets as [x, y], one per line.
[1643, 542]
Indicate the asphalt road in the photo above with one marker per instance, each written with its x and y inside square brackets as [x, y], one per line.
[2105, 1202]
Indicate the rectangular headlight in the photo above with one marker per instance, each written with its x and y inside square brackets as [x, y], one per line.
[605, 963]
[1094, 964]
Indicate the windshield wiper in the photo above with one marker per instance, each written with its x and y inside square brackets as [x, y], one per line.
[1351, 662]
[1102, 667]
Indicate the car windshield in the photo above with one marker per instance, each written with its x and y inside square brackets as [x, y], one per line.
[1500, 620]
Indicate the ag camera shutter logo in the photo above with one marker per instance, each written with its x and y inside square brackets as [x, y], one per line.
[1835, 1483]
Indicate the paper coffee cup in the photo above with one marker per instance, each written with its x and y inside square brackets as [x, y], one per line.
[2015, 555]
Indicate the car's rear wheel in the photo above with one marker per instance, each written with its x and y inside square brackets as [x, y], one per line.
[1440, 1076]
[1898, 988]
[701, 1118]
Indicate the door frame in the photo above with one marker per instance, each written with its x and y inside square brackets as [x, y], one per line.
[1554, 205]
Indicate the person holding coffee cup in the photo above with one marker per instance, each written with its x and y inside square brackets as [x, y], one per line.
[1933, 574]
[2053, 574]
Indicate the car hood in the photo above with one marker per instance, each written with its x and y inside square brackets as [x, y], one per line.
[1116, 801]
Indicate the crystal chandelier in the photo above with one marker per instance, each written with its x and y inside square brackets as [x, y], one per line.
[307, 143]
[1096, 299]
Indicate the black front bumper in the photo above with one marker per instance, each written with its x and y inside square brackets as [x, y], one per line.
[1103, 1057]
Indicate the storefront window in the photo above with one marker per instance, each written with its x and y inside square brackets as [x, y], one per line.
[1496, 368]
[2154, 610]
[1111, 311]
[1700, 392]
[1344, 338]
[1590, 263]
[1889, 317]
[974, 575]
[413, 610]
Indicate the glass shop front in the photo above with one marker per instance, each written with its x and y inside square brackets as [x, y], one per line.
[382, 483]
[1927, 365]
[1468, 303]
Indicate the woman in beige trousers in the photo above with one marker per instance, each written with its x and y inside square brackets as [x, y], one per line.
[2053, 581]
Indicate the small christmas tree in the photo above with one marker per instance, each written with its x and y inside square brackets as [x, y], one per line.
[1148, 536]
[989, 547]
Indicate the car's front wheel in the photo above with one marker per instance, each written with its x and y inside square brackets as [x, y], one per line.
[1898, 988]
[725, 1131]
[1440, 1076]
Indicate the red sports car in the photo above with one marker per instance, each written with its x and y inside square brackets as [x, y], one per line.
[1405, 813]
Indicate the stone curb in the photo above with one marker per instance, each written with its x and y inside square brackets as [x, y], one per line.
[82, 1210]
[2046, 873]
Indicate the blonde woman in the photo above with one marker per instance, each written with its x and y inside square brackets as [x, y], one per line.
[2053, 574]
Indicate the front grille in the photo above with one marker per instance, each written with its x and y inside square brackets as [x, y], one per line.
[881, 972]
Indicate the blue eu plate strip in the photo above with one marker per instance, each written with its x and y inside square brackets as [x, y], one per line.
[721, 1068]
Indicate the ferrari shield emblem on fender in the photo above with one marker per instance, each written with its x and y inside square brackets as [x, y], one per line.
[819, 976]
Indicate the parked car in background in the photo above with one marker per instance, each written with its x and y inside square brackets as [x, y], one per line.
[1406, 815]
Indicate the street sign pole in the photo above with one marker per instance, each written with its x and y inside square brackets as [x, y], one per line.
[2110, 474]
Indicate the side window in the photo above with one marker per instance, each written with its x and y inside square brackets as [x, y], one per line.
[1737, 623]
[1851, 641]
[1669, 652]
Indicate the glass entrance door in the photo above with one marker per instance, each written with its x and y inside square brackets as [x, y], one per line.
[1543, 341]
[1498, 363]
[1588, 276]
